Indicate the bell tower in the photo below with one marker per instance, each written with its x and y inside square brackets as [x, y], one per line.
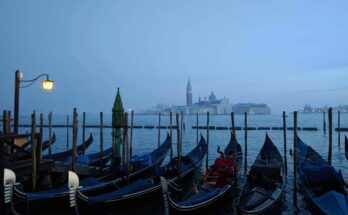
[188, 94]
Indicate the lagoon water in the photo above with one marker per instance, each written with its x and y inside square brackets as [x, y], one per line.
[145, 140]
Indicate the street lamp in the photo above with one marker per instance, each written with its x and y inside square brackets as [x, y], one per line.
[47, 85]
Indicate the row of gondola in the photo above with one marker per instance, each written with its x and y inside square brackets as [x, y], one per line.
[144, 177]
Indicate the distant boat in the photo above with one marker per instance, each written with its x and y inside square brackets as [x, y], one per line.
[322, 186]
[263, 189]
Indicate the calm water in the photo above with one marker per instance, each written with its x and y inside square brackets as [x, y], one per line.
[145, 140]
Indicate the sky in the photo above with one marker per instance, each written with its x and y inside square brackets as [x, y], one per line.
[284, 53]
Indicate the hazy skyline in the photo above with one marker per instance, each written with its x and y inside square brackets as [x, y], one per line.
[283, 53]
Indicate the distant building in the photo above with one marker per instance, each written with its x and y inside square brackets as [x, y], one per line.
[188, 94]
[211, 104]
[251, 108]
[309, 110]
[218, 106]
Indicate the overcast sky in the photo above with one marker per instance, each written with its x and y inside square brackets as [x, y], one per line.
[283, 53]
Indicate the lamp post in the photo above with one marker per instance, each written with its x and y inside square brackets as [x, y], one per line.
[47, 85]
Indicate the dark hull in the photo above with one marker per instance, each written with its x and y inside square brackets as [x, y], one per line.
[200, 207]
[319, 180]
[263, 190]
[129, 201]
[60, 201]
[136, 192]
[65, 155]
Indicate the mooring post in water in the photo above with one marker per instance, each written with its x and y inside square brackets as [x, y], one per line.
[67, 132]
[233, 125]
[9, 121]
[124, 142]
[101, 143]
[49, 133]
[245, 143]
[39, 142]
[178, 148]
[330, 136]
[295, 160]
[33, 150]
[339, 127]
[171, 134]
[127, 145]
[83, 132]
[207, 158]
[131, 135]
[197, 128]
[74, 143]
[4, 124]
[159, 130]
[9, 129]
[324, 122]
[284, 139]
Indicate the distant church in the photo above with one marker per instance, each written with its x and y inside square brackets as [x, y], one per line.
[218, 106]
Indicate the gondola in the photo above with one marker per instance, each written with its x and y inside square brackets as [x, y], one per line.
[322, 186]
[215, 186]
[25, 152]
[263, 190]
[93, 159]
[346, 146]
[58, 198]
[135, 193]
[45, 144]
[66, 155]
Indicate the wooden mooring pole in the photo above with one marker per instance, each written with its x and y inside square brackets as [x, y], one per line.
[9, 121]
[171, 134]
[197, 129]
[39, 148]
[207, 156]
[50, 133]
[74, 143]
[233, 125]
[9, 129]
[67, 132]
[33, 151]
[159, 130]
[178, 148]
[83, 132]
[324, 122]
[330, 136]
[124, 142]
[339, 128]
[245, 143]
[284, 139]
[131, 135]
[101, 146]
[127, 145]
[295, 160]
[4, 124]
